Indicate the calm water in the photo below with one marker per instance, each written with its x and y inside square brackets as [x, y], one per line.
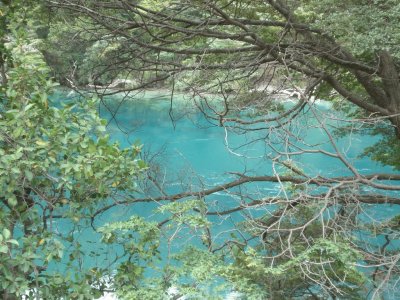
[193, 153]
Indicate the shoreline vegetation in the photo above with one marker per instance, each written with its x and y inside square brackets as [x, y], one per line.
[121, 85]
[126, 86]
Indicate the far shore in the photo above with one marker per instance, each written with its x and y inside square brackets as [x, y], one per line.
[282, 95]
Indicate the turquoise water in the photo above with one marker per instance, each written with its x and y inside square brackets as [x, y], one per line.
[192, 154]
[195, 154]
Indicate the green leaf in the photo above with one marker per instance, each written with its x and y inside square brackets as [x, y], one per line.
[3, 249]
[14, 242]
[41, 143]
[12, 201]
[30, 105]
[6, 233]
[29, 175]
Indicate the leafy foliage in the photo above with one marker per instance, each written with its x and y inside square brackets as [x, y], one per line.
[372, 24]
[56, 163]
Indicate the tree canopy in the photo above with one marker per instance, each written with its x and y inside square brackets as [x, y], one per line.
[247, 39]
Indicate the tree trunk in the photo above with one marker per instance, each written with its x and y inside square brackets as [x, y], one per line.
[391, 85]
